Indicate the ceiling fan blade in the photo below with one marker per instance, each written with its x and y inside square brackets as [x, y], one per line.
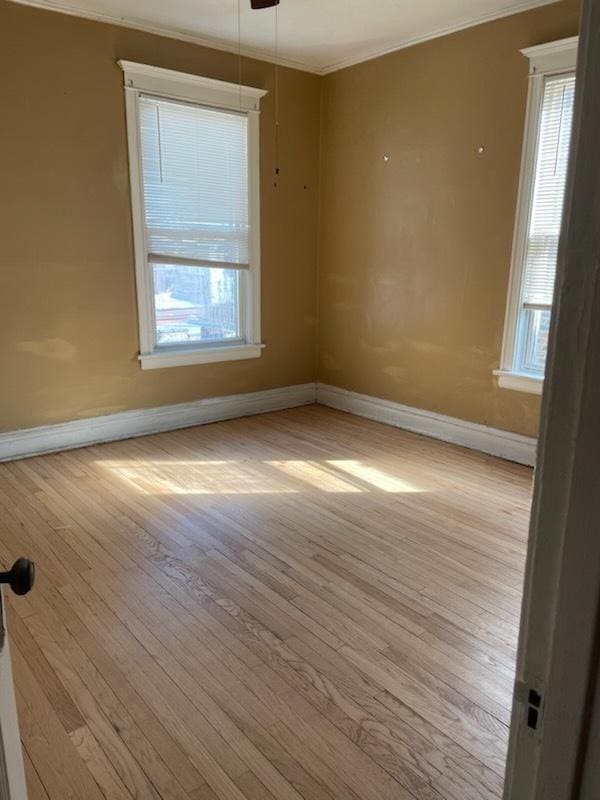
[263, 3]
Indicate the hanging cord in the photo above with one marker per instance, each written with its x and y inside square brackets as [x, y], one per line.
[562, 111]
[276, 90]
[239, 36]
[159, 142]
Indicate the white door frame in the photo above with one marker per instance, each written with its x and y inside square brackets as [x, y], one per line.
[559, 643]
[12, 776]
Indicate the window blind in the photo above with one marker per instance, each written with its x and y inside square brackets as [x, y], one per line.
[548, 192]
[195, 183]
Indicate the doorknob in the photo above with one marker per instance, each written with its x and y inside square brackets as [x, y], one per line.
[20, 577]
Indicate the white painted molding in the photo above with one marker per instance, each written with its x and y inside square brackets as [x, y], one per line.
[402, 44]
[143, 79]
[170, 33]
[552, 56]
[266, 55]
[208, 91]
[503, 444]
[519, 382]
[199, 355]
[544, 59]
[12, 775]
[129, 424]
[145, 421]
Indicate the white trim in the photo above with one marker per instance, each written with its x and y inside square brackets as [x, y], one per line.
[207, 355]
[530, 138]
[12, 774]
[144, 294]
[559, 632]
[267, 56]
[141, 422]
[253, 295]
[552, 57]
[519, 382]
[504, 444]
[145, 421]
[166, 83]
[402, 44]
[195, 88]
[558, 57]
[172, 33]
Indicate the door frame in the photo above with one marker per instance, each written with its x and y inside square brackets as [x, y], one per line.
[559, 640]
[12, 774]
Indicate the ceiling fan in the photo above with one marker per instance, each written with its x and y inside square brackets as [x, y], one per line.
[256, 4]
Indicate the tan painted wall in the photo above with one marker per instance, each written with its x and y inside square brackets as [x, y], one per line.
[415, 253]
[68, 326]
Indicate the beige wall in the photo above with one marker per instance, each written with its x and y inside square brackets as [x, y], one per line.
[415, 253]
[68, 325]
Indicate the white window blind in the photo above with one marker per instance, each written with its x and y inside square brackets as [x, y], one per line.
[194, 159]
[548, 192]
[544, 167]
[195, 184]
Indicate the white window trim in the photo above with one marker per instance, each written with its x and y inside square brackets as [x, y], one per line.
[519, 381]
[552, 58]
[146, 79]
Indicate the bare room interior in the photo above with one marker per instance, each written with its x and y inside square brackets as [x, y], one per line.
[277, 289]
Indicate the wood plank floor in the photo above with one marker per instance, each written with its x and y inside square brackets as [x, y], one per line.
[299, 605]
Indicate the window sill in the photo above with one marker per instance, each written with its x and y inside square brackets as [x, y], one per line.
[160, 359]
[519, 382]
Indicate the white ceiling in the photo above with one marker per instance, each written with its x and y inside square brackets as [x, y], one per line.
[317, 35]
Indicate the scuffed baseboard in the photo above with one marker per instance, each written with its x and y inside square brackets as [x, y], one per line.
[504, 444]
[129, 424]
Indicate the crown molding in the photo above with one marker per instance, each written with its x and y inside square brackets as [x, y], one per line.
[171, 33]
[265, 55]
[402, 44]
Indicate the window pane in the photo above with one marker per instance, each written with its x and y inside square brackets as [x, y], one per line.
[552, 162]
[195, 304]
[534, 335]
[195, 176]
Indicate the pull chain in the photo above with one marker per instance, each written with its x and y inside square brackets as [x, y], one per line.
[239, 36]
[276, 91]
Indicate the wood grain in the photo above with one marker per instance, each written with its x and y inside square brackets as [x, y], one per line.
[299, 605]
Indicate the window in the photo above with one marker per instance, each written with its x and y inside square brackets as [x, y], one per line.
[194, 161]
[539, 214]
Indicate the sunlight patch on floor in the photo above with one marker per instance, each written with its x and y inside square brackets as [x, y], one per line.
[375, 477]
[315, 475]
[216, 477]
[227, 477]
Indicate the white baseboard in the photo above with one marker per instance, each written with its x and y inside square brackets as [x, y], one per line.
[504, 444]
[129, 424]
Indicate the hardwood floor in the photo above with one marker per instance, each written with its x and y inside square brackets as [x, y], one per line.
[299, 605]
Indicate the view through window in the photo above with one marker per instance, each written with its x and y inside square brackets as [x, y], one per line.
[544, 223]
[195, 180]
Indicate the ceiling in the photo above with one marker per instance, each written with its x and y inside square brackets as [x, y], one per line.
[316, 35]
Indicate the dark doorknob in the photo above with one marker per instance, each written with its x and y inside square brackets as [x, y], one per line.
[20, 577]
